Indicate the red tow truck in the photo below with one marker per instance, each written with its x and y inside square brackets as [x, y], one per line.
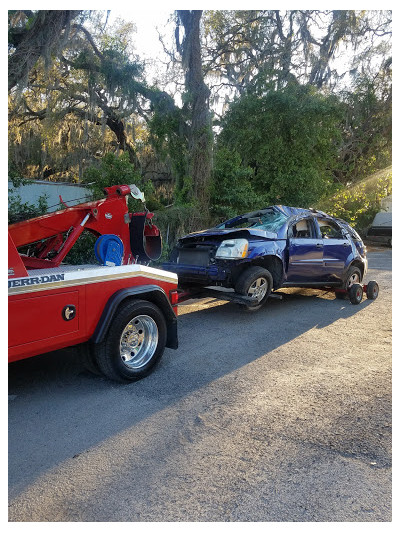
[122, 313]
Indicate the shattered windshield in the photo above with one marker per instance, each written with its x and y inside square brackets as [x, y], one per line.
[267, 220]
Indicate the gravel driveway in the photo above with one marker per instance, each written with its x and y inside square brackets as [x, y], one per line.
[279, 415]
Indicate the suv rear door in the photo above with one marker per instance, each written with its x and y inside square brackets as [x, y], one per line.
[336, 249]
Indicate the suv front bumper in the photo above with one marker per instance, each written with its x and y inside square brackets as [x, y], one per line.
[197, 274]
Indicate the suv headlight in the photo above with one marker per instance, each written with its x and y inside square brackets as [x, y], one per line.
[232, 249]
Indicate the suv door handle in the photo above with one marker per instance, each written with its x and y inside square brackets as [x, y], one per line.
[319, 245]
[346, 244]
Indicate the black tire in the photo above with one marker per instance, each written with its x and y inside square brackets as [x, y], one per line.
[88, 358]
[134, 343]
[353, 276]
[356, 293]
[256, 282]
[372, 290]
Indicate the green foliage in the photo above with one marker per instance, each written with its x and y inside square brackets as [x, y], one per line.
[113, 170]
[117, 170]
[67, 116]
[358, 205]
[289, 139]
[18, 210]
[250, 49]
[15, 179]
[367, 140]
[281, 142]
[232, 190]
[170, 143]
[176, 221]
[183, 190]
[82, 252]
[118, 71]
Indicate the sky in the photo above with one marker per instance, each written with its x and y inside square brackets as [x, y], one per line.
[146, 40]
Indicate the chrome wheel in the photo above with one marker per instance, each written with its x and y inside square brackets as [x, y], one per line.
[258, 289]
[138, 341]
[134, 342]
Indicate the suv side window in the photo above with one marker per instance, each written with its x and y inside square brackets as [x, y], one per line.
[354, 235]
[303, 229]
[329, 229]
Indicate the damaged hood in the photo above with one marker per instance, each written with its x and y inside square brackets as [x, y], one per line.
[230, 233]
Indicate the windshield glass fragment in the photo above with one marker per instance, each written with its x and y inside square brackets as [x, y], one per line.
[266, 219]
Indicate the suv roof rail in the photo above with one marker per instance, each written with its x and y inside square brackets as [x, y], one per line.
[313, 210]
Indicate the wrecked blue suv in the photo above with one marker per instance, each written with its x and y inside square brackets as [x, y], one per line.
[275, 247]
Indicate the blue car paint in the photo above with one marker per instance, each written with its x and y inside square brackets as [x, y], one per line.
[305, 261]
[228, 232]
[260, 248]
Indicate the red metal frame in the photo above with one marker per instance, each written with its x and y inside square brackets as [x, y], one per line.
[333, 289]
[56, 233]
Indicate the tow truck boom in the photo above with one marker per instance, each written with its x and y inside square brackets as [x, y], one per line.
[54, 234]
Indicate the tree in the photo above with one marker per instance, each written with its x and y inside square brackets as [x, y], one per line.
[33, 35]
[367, 127]
[289, 138]
[256, 50]
[196, 102]
[82, 97]
[94, 85]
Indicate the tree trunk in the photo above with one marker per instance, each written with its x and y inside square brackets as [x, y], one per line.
[200, 135]
[117, 127]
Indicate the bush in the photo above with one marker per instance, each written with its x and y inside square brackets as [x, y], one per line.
[18, 211]
[175, 222]
[357, 205]
[83, 250]
[117, 170]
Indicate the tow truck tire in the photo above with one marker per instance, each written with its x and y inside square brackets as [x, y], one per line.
[255, 282]
[88, 358]
[372, 290]
[134, 343]
[356, 293]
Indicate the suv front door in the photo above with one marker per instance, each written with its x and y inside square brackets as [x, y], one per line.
[305, 262]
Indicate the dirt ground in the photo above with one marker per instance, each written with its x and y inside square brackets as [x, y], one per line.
[283, 415]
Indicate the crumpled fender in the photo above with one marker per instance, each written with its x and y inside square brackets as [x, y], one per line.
[263, 248]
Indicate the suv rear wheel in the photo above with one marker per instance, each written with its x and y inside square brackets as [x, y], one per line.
[353, 276]
[255, 282]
